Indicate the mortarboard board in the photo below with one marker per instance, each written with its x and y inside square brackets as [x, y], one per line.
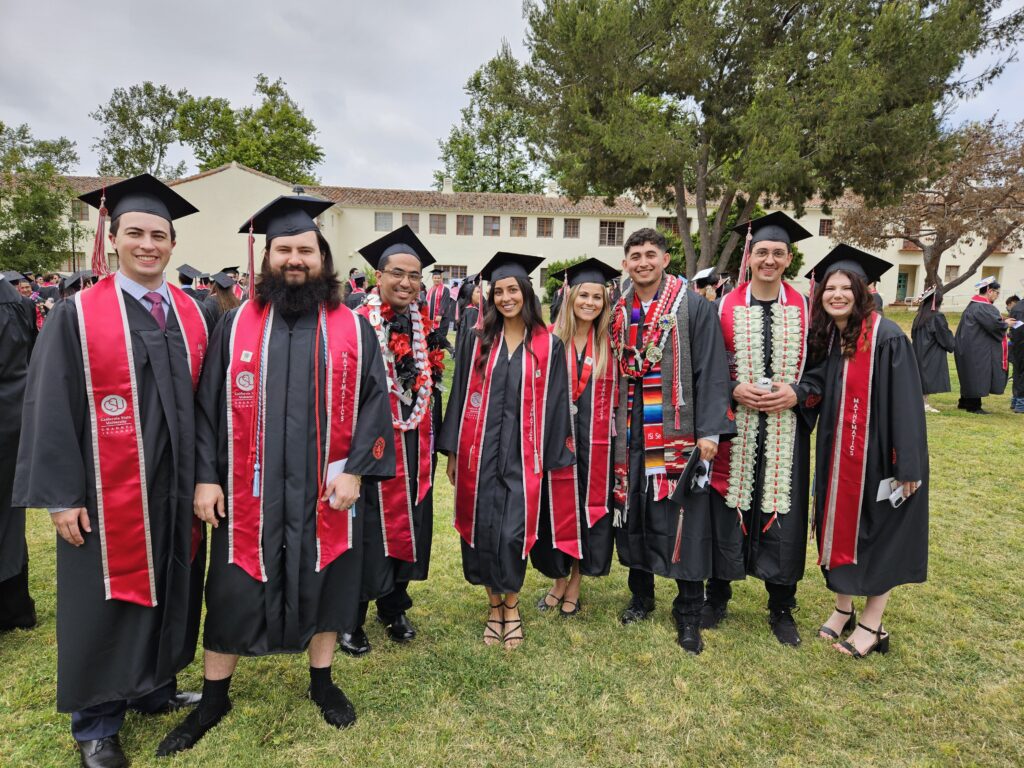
[144, 194]
[402, 240]
[229, 270]
[437, 271]
[590, 271]
[849, 259]
[987, 282]
[187, 270]
[223, 280]
[14, 277]
[688, 480]
[776, 227]
[504, 265]
[287, 215]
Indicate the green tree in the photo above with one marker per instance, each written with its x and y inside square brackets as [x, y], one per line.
[487, 151]
[139, 127]
[33, 199]
[554, 272]
[274, 137]
[695, 104]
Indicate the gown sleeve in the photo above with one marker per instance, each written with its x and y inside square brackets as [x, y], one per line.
[374, 421]
[51, 469]
[448, 439]
[898, 403]
[210, 403]
[558, 449]
[711, 384]
[943, 336]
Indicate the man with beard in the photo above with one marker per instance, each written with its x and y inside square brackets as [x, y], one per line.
[673, 400]
[414, 363]
[107, 445]
[760, 478]
[292, 414]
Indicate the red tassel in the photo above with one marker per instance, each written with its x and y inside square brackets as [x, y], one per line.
[744, 262]
[769, 525]
[677, 418]
[679, 538]
[100, 267]
[252, 264]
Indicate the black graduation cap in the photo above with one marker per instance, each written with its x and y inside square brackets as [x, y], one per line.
[287, 215]
[504, 265]
[692, 472]
[229, 270]
[590, 271]
[145, 194]
[77, 277]
[474, 278]
[187, 270]
[402, 240]
[777, 227]
[14, 277]
[359, 279]
[849, 259]
[223, 280]
[437, 271]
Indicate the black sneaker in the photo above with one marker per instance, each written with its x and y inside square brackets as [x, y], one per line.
[689, 638]
[639, 608]
[711, 614]
[782, 624]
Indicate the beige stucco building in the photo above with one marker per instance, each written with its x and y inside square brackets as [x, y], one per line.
[463, 229]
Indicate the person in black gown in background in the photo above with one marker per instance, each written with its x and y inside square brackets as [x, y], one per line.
[932, 341]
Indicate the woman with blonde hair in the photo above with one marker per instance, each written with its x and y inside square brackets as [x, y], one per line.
[575, 535]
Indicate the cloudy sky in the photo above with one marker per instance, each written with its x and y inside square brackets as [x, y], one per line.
[382, 81]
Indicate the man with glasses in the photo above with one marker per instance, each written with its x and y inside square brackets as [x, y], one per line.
[980, 348]
[405, 502]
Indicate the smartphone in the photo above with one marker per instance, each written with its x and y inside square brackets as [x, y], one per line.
[764, 384]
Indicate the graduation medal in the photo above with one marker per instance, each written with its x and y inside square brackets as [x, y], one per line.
[654, 354]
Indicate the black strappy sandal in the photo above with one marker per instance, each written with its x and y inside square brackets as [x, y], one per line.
[513, 627]
[575, 608]
[490, 633]
[826, 633]
[881, 644]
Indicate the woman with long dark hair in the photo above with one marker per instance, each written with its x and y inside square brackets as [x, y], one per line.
[871, 478]
[222, 298]
[932, 341]
[507, 424]
[575, 536]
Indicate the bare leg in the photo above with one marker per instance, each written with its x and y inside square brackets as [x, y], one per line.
[838, 620]
[321, 649]
[219, 666]
[556, 593]
[572, 588]
[860, 638]
[494, 629]
[513, 621]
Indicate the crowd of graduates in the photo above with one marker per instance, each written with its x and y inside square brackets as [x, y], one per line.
[271, 448]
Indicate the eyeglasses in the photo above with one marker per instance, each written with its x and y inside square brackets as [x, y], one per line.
[762, 253]
[399, 275]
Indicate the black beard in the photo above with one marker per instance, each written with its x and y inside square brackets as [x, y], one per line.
[289, 299]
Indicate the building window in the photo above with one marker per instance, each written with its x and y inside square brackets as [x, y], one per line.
[412, 221]
[545, 227]
[952, 273]
[825, 227]
[612, 233]
[438, 224]
[571, 228]
[382, 222]
[516, 226]
[452, 271]
[991, 272]
[492, 226]
[668, 224]
[463, 224]
[113, 262]
[79, 210]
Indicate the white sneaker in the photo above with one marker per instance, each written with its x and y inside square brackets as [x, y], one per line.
[929, 409]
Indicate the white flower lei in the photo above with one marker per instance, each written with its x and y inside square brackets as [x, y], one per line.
[421, 405]
[780, 436]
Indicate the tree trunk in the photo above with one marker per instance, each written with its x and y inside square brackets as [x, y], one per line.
[691, 254]
[701, 204]
[993, 244]
[735, 238]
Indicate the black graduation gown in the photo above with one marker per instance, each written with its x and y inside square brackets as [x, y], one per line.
[497, 559]
[447, 311]
[892, 544]
[212, 307]
[777, 555]
[979, 352]
[647, 540]
[355, 298]
[467, 320]
[932, 341]
[252, 618]
[110, 650]
[17, 336]
[596, 541]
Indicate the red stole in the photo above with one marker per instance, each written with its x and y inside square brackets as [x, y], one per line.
[238, 291]
[740, 297]
[338, 344]
[840, 524]
[122, 500]
[1005, 340]
[435, 301]
[563, 489]
[395, 494]
[473, 433]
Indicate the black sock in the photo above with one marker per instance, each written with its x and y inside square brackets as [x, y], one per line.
[215, 697]
[319, 681]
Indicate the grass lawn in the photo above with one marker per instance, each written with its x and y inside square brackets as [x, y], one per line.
[591, 692]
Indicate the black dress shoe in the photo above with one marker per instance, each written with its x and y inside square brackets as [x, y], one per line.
[191, 730]
[335, 707]
[978, 411]
[355, 644]
[102, 753]
[401, 629]
[711, 614]
[688, 636]
[784, 627]
[180, 700]
[639, 608]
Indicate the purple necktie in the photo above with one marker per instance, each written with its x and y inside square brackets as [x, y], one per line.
[156, 309]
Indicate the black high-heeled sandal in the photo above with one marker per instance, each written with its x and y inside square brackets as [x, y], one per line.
[489, 632]
[512, 627]
[825, 632]
[881, 644]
